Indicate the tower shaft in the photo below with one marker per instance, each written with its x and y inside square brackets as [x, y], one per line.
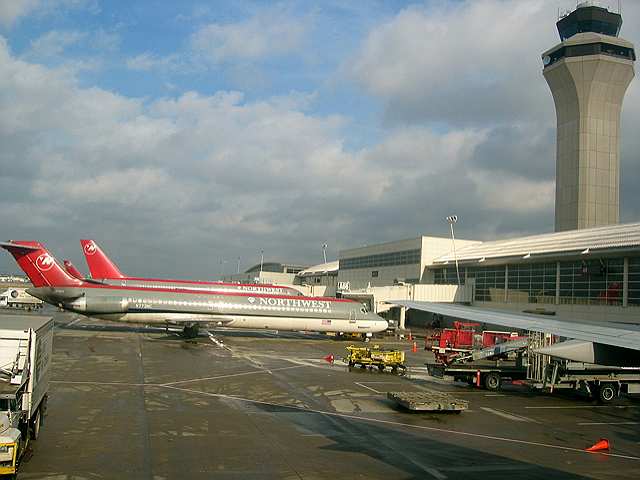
[588, 93]
[588, 74]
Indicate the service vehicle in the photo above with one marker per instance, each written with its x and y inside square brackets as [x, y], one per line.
[488, 368]
[25, 358]
[19, 298]
[376, 357]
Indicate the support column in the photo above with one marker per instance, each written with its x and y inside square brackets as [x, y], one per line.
[403, 312]
[625, 283]
[557, 283]
[506, 283]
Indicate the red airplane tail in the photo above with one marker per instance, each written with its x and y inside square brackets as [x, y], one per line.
[39, 265]
[99, 264]
[72, 270]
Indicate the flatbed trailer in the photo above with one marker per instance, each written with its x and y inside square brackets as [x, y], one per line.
[602, 382]
[490, 375]
[428, 401]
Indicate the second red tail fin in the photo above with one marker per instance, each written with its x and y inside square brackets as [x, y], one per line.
[99, 264]
[39, 265]
[72, 270]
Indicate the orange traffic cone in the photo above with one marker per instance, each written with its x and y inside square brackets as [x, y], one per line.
[329, 358]
[414, 348]
[410, 337]
[602, 444]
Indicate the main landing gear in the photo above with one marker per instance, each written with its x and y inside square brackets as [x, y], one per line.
[191, 331]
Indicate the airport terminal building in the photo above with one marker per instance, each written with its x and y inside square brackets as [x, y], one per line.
[587, 274]
[591, 272]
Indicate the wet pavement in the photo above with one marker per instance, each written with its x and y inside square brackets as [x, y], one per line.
[140, 403]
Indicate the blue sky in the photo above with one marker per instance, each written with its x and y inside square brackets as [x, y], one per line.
[112, 33]
[173, 132]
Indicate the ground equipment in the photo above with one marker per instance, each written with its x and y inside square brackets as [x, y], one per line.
[25, 356]
[376, 357]
[462, 342]
[19, 298]
[428, 401]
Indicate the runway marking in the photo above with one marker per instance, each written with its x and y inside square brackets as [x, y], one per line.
[495, 395]
[74, 322]
[368, 388]
[557, 407]
[434, 473]
[609, 423]
[168, 384]
[506, 415]
[266, 370]
[408, 425]
[120, 384]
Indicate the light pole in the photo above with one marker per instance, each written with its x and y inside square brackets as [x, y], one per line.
[238, 265]
[261, 259]
[452, 219]
[324, 252]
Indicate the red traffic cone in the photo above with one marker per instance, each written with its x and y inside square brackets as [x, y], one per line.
[414, 347]
[410, 337]
[329, 358]
[600, 445]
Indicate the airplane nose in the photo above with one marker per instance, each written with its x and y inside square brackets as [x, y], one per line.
[380, 324]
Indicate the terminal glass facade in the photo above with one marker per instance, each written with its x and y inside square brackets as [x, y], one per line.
[592, 282]
[406, 257]
[448, 276]
[598, 281]
[532, 283]
[634, 281]
[489, 283]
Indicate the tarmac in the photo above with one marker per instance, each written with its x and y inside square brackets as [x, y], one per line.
[130, 402]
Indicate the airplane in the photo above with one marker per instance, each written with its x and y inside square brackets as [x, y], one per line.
[189, 308]
[72, 270]
[601, 344]
[104, 269]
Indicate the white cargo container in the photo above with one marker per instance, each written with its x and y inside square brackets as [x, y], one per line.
[25, 359]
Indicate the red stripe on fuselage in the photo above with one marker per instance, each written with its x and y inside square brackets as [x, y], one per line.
[212, 292]
[223, 284]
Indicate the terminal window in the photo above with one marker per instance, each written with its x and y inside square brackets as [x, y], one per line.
[405, 257]
[592, 282]
[634, 281]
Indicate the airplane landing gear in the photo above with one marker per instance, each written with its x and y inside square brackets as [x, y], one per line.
[190, 331]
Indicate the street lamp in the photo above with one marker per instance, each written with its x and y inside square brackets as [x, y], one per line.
[324, 252]
[452, 219]
[261, 260]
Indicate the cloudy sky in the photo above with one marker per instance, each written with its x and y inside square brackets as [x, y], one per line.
[183, 135]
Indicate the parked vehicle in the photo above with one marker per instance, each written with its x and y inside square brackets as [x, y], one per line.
[25, 357]
[19, 298]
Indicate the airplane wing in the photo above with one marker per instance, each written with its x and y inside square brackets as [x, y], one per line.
[579, 330]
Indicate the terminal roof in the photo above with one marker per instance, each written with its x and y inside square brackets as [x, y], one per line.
[576, 242]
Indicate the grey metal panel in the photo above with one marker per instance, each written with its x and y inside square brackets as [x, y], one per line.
[580, 330]
[23, 322]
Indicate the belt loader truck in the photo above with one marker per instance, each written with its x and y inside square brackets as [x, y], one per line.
[25, 357]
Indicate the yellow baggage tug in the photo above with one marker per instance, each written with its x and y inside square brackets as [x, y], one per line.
[376, 357]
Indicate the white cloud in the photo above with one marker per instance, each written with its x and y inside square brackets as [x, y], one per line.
[54, 43]
[460, 62]
[149, 61]
[267, 34]
[11, 10]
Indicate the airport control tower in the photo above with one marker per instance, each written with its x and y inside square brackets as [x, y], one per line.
[588, 73]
